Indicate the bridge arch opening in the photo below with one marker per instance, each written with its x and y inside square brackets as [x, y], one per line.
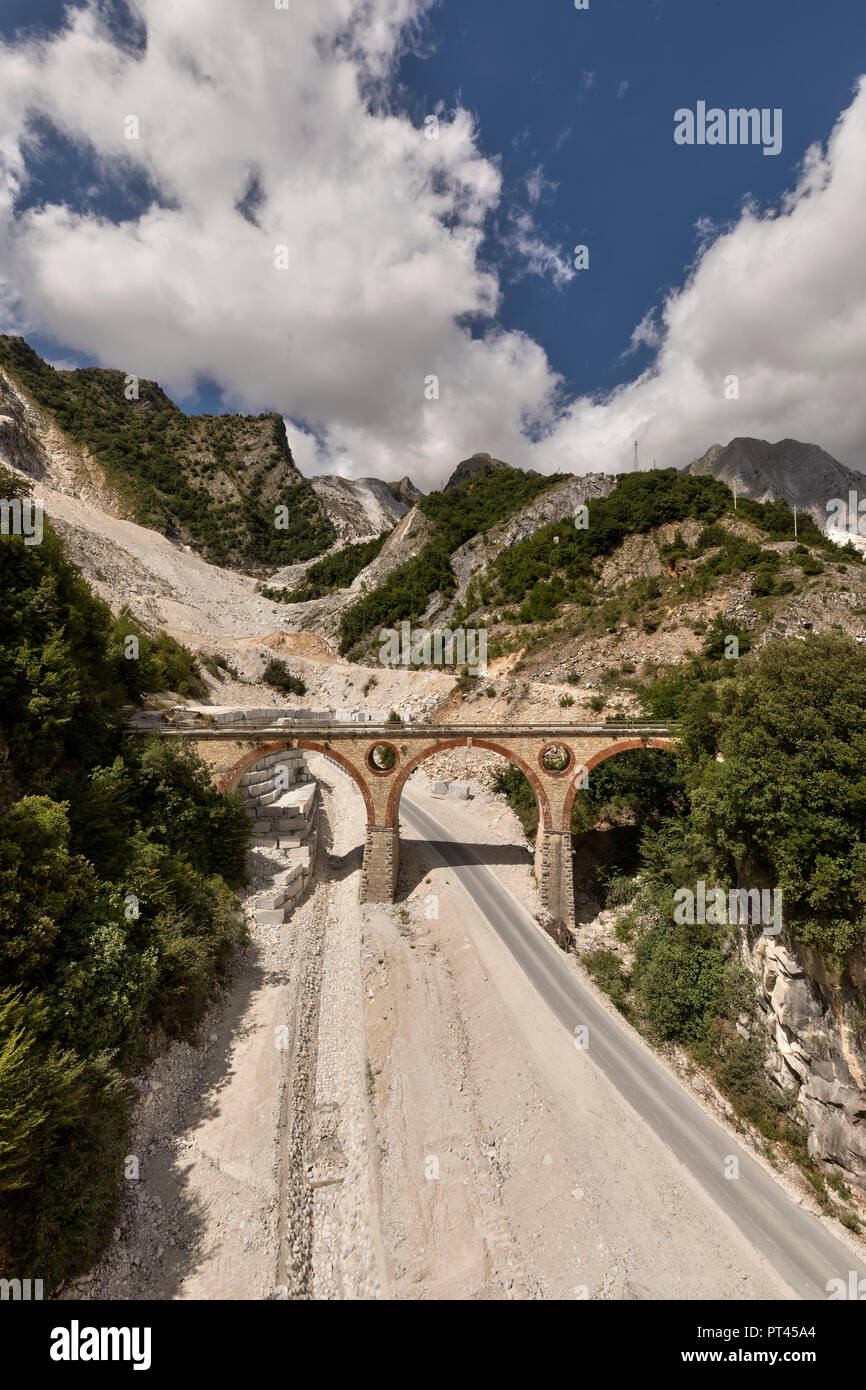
[229, 781]
[581, 774]
[460, 840]
[412, 764]
[623, 790]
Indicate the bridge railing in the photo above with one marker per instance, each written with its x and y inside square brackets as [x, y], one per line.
[218, 723]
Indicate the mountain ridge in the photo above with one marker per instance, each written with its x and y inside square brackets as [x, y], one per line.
[802, 474]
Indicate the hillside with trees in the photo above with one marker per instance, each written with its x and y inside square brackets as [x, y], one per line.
[456, 514]
[215, 482]
[117, 915]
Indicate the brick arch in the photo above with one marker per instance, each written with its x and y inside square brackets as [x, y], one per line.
[350, 767]
[396, 788]
[230, 779]
[250, 759]
[625, 745]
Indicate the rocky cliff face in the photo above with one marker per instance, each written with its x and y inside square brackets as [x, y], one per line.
[818, 1035]
[468, 468]
[405, 490]
[558, 503]
[803, 474]
[32, 444]
[361, 508]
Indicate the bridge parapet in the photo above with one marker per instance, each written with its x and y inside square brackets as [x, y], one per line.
[217, 722]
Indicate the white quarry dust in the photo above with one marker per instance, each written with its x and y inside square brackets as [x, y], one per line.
[160, 581]
[382, 1107]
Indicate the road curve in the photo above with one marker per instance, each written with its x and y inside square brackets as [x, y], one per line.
[804, 1253]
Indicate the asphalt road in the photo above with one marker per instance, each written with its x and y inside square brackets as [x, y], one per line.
[804, 1253]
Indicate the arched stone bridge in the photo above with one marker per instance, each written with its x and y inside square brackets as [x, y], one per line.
[231, 749]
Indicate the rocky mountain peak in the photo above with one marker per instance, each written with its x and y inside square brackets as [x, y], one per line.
[405, 490]
[469, 468]
[805, 475]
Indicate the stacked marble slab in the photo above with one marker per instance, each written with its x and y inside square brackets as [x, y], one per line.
[281, 798]
[275, 903]
[226, 716]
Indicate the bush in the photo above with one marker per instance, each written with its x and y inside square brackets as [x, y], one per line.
[278, 675]
[679, 985]
[515, 786]
[161, 664]
[604, 967]
[810, 564]
[737, 1065]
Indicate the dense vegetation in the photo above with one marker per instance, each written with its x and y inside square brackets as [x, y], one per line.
[786, 805]
[215, 481]
[456, 516]
[160, 663]
[117, 916]
[768, 791]
[645, 785]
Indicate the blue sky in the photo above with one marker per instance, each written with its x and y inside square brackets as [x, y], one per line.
[545, 83]
[574, 110]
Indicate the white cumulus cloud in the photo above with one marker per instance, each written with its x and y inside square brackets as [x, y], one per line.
[262, 128]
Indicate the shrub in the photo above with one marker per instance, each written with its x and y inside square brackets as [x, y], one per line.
[514, 785]
[278, 675]
[679, 985]
[604, 967]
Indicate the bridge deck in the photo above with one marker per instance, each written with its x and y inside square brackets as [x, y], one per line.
[344, 729]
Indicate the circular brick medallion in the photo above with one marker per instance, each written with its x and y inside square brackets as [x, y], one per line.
[559, 759]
